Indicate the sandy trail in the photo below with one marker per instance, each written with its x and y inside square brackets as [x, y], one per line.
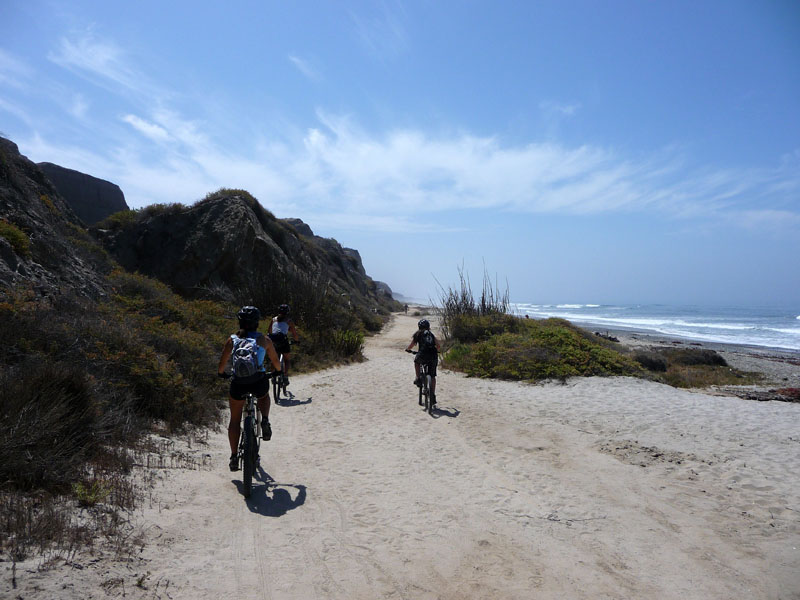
[600, 488]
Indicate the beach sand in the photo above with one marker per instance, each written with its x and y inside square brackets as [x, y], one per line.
[597, 488]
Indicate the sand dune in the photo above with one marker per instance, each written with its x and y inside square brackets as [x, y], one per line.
[599, 488]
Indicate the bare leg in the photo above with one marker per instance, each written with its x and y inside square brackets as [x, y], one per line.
[263, 406]
[235, 424]
[286, 358]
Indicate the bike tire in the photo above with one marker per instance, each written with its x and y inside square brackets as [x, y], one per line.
[250, 451]
[429, 400]
[276, 388]
[420, 395]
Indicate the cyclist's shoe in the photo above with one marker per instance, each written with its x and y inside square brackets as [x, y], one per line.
[285, 380]
[418, 382]
[266, 431]
[234, 462]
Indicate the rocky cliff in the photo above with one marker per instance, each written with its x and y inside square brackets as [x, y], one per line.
[225, 246]
[228, 243]
[42, 241]
[92, 199]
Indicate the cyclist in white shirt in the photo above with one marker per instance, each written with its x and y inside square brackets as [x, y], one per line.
[282, 326]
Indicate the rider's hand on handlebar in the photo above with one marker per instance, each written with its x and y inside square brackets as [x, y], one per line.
[224, 375]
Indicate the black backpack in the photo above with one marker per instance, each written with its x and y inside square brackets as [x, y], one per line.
[427, 341]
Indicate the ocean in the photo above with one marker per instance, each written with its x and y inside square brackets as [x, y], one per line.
[768, 327]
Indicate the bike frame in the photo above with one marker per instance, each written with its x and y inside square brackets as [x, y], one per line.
[249, 442]
[425, 387]
[279, 380]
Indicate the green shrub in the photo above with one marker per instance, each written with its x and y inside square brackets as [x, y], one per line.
[348, 343]
[538, 350]
[652, 361]
[48, 203]
[48, 424]
[694, 356]
[16, 237]
[119, 220]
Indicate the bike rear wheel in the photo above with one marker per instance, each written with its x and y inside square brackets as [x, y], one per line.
[428, 396]
[249, 454]
[276, 387]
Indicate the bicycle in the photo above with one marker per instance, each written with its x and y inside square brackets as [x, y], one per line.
[249, 442]
[279, 379]
[425, 398]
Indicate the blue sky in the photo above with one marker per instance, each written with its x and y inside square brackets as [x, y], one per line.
[583, 151]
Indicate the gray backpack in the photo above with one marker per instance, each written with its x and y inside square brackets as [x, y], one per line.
[244, 358]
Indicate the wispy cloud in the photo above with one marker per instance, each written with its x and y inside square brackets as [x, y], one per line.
[384, 35]
[349, 178]
[151, 130]
[304, 67]
[103, 63]
[14, 73]
[559, 108]
[78, 106]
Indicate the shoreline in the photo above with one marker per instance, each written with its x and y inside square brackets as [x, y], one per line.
[779, 367]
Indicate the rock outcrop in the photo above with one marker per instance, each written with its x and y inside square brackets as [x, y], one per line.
[229, 241]
[92, 199]
[219, 247]
[43, 244]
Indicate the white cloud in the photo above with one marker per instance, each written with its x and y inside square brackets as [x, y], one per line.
[79, 106]
[151, 130]
[350, 178]
[383, 35]
[559, 108]
[13, 72]
[304, 67]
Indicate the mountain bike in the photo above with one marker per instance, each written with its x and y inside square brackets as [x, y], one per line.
[249, 442]
[279, 379]
[425, 398]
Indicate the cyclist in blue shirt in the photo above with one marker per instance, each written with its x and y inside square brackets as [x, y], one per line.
[258, 384]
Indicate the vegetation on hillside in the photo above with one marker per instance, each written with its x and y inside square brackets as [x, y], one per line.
[83, 383]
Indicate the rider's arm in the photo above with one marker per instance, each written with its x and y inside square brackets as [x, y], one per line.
[270, 348]
[438, 346]
[226, 356]
[293, 331]
[412, 344]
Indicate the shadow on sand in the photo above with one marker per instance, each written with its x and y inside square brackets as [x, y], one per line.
[291, 401]
[272, 499]
[438, 413]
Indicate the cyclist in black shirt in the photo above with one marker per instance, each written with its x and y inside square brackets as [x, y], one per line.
[428, 353]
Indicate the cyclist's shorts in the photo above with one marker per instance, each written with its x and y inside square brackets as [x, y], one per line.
[429, 359]
[281, 342]
[259, 388]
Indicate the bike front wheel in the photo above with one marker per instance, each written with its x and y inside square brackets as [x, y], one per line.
[428, 395]
[250, 454]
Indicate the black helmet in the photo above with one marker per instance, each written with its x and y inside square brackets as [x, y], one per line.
[423, 324]
[283, 309]
[248, 316]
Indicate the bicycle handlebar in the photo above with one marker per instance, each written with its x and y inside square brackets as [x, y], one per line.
[412, 351]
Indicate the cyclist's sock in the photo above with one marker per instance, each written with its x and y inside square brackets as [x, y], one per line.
[266, 430]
